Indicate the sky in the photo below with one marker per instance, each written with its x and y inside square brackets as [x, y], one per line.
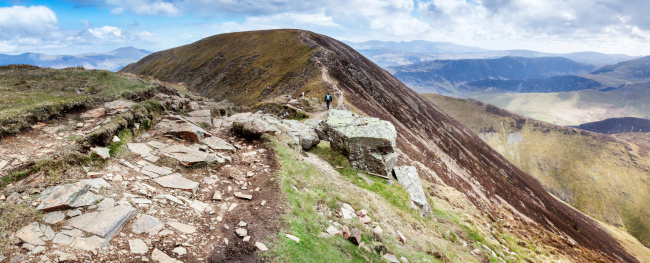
[554, 26]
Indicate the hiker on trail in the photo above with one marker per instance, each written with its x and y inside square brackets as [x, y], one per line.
[328, 99]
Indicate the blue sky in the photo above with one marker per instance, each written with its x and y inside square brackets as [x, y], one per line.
[558, 26]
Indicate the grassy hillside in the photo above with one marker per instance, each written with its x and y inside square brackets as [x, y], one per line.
[245, 67]
[304, 61]
[600, 175]
[577, 107]
[31, 94]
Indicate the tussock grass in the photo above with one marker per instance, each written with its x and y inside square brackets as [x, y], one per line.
[32, 94]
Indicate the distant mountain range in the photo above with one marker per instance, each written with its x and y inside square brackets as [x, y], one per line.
[617, 125]
[464, 77]
[389, 53]
[112, 60]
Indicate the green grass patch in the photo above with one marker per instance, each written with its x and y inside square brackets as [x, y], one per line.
[14, 217]
[304, 222]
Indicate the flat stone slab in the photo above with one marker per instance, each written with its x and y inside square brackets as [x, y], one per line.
[408, 177]
[54, 217]
[199, 113]
[183, 129]
[62, 239]
[137, 246]
[218, 144]
[146, 224]
[61, 196]
[96, 183]
[93, 243]
[185, 155]
[161, 257]
[187, 229]
[156, 169]
[31, 234]
[102, 152]
[140, 148]
[105, 223]
[178, 182]
[243, 196]
[89, 198]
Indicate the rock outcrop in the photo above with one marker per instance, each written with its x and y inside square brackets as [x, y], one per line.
[408, 177]
[253, 125]
[302, 134]
[368, 142]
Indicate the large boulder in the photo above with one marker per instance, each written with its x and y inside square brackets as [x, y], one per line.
[408, 177]
[302, 134]
[368, 142]
[253, 125]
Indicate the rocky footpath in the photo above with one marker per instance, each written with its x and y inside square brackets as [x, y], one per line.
[187, 190]
[192, 188]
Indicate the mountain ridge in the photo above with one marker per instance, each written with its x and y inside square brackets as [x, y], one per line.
[425, 133]
[111, 60]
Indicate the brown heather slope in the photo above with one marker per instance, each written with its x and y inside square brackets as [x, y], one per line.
[425, 134]
[600, 175]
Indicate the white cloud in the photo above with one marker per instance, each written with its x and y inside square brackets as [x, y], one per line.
[144, 7]
[106, 32]
[21, 21]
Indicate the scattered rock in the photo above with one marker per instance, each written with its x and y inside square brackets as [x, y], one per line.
[185, 155]
[146, 224]
[138, 246]
[332, 230]
[140, 148]
[408, 177]
[105, 223]
[218, 144]
[31, 234]
[187, 229]
[33, 180]
[93, 114]
[243, 196]
[183, 129]
[62, 239]
[390, 258]
[178, 182]
[156, 169]
[61, 196]
[401, 237]
[294, 238]
[252, 126]
[217, 196]
[302, 134]
[345, 232]
[54, 217]
[88, 198]
[241, 232]
[200, 206]
[96, 183]
[102, 152]
[378, 231]
[92, 243]
[355, 236]
[369, 143]
[161, 257]
[261, 246]
[105, 204]
[180, 251]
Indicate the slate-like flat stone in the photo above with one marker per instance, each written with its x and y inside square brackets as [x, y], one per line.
[89, 198]
[156, 169]
[31, 234]
[139, 148]
[61, 196]
[92, 243]
[105, 223]
[146, 224]
[217, 143]
[185, 155]
[54, 217]
[177, 181]
[187, 229]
